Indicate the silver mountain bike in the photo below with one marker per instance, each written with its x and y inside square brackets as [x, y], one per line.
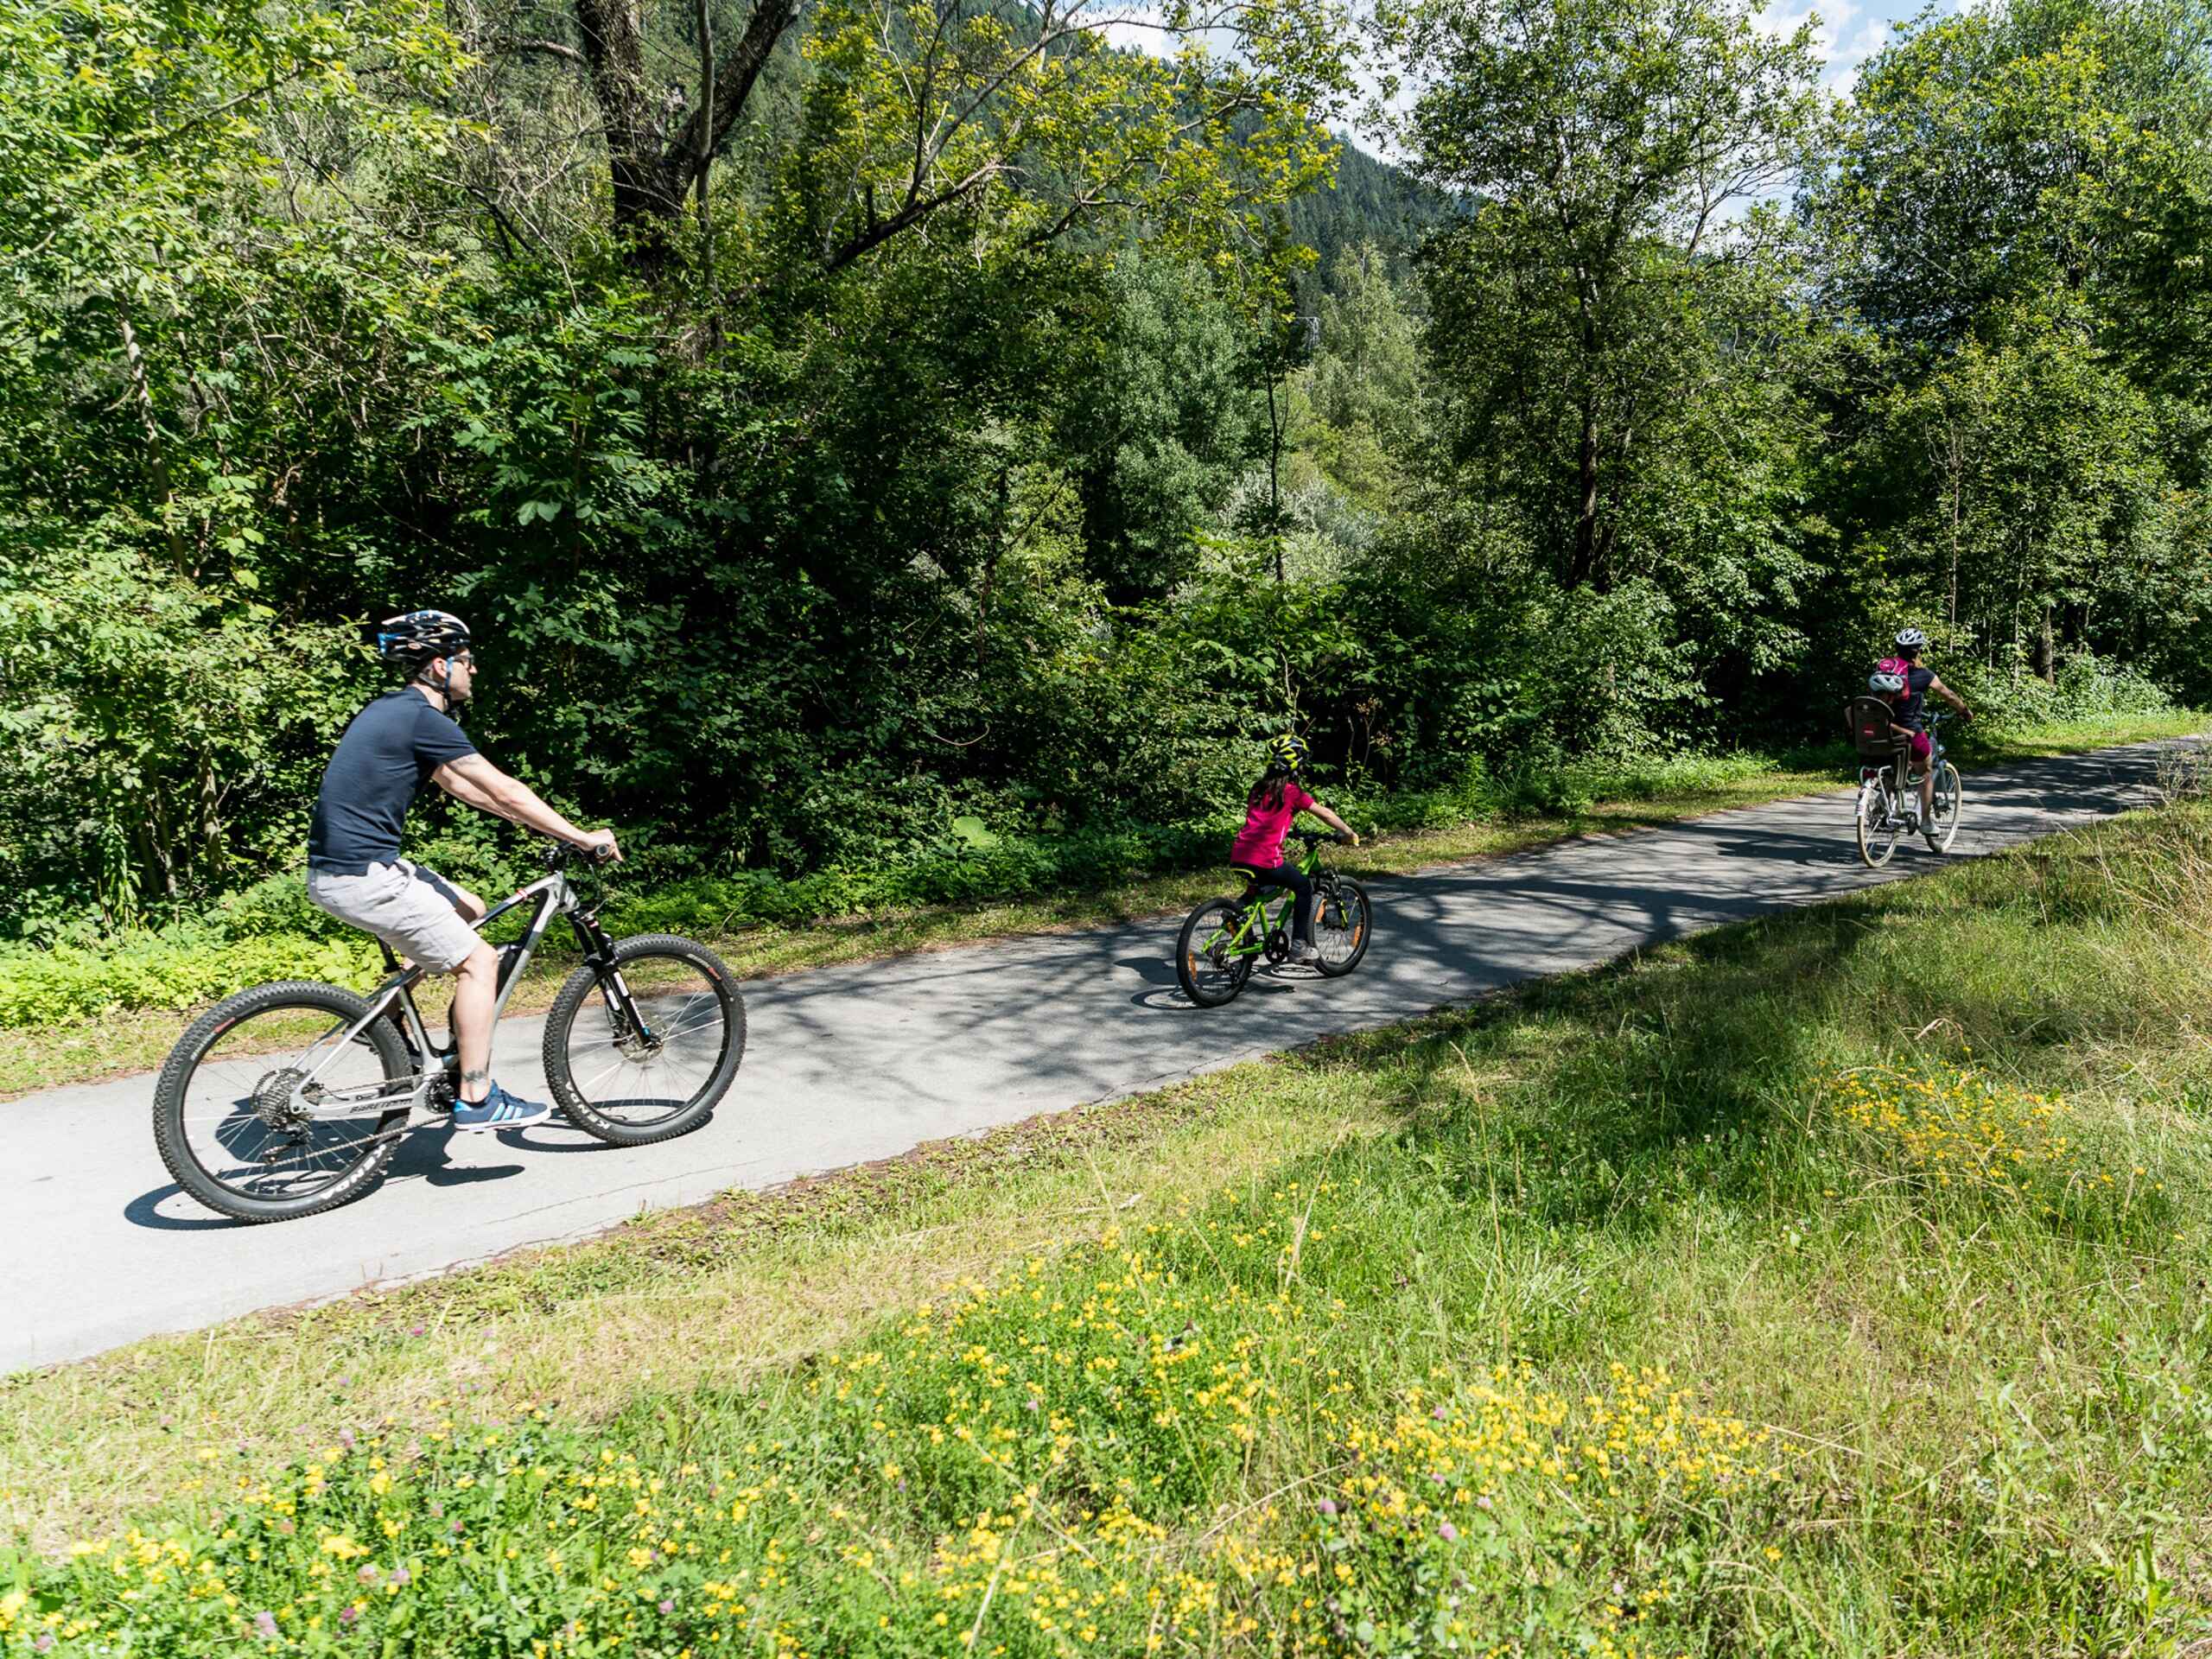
[289, 1099]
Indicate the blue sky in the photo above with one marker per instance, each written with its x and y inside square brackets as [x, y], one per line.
[1847, 33]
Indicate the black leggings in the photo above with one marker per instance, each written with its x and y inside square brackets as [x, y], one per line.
[1300, 883]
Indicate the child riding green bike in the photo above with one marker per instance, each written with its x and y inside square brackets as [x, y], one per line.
[1223, 939]
[1271, 807]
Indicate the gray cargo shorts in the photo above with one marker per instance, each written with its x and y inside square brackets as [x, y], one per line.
[413, 910]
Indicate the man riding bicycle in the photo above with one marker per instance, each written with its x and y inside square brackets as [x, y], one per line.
[1906, 683]
[355, 870]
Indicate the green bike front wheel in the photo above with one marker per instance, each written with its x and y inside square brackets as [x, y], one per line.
[1213, 961]
[1342, 925]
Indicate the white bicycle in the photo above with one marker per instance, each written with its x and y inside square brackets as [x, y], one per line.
[289, 1099]
[1889, 799]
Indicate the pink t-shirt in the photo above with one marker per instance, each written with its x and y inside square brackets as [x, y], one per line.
[1259, 843]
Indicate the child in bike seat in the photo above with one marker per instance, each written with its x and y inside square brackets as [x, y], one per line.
[1274, 801]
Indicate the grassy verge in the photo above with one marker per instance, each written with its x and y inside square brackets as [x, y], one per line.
[1827, 1284]
[124, 1041]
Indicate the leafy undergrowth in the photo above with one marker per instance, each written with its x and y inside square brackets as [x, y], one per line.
[1827, 1284]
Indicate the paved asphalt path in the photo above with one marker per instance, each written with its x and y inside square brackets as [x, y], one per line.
[98, 1247]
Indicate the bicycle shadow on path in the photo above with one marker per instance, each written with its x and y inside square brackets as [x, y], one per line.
[424, 1155]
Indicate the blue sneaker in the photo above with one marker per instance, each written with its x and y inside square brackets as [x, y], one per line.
[499, 1110]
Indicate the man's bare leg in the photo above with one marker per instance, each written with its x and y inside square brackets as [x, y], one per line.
[476, 988]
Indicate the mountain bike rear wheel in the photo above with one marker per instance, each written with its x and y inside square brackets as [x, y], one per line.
[227, 1124]
[632, 1083]
[1880, 824]
[1209, 965]
[1342, 925]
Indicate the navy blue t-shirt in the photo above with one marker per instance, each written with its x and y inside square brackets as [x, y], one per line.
[385, 756]
[1913, 706]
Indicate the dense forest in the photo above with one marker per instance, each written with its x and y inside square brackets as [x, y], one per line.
[839, 421]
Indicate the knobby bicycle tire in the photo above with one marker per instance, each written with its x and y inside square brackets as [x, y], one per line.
[721, 986]
[1361, 917]
[1227, 916]
[172, 1091]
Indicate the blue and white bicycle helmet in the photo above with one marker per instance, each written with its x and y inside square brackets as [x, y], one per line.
[1912, 638]
[1885, 685]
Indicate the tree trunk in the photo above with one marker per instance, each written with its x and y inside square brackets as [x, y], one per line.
[142, 399]
[1274, 472]
[653, 159]
[648, 193]
[703, 159]
[2046, 658]
[1586, 521]
[1957, 469]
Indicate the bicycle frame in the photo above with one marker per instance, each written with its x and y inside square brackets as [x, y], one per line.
[553, 896]
[1271, 917]
[1900, 770]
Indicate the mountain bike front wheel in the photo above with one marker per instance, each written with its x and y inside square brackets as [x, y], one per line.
[1342, 925]
[1210, 964]
[1950, 801]
[240, 1107]
[643, 1049]
[1879, 823]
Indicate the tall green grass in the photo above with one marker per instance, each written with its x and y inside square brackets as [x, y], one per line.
[1830, 1285]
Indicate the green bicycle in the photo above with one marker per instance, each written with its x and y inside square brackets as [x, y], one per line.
[1224, 939]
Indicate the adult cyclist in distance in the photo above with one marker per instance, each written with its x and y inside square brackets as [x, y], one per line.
[1916, 683]
[403, 739]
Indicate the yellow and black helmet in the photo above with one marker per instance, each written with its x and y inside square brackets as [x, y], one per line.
[1288, 751]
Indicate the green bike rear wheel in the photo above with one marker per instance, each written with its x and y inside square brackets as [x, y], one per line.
[1211, 964]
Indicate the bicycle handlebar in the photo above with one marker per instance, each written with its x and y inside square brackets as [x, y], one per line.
[561, 852]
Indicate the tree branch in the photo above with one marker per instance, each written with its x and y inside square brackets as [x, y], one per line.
[703, 134]
[549, 48]
[913, 213]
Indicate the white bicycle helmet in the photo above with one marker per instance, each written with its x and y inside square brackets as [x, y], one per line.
[1885, 685]
[1912, 637]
